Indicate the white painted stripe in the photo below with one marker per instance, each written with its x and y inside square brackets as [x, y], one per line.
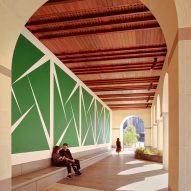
[100, 113]
[90, 104]
[93, 129]
[95, 119]
[33, 67]
[99, 134]
[16, 99]
[15, 125]
[64, 132]
[41, 117]
[84, 109]
[59, 92]
[76, 128]
[80, 115]
[86, 135]
[73, 91]
[51, 103]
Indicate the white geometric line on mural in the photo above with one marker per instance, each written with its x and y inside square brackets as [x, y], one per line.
[16, 124]
[90, 104]
[73, 91]
[92, 129]
[59, 92]
[40, 115]
[80, 115]
[64, 132]
[85, 136]
[51, 103]
[76, 128]
[16, 99]
[39, 63]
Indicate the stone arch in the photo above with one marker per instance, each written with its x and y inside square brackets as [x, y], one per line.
[14, 15]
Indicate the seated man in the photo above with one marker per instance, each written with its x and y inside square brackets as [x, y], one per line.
[68, 156]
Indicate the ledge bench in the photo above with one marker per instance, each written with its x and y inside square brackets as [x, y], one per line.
[35, 176]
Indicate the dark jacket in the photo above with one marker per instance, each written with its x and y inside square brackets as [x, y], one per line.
[56, 159]
[66, 153]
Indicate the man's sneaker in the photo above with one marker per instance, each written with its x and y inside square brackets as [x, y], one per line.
[78, 173]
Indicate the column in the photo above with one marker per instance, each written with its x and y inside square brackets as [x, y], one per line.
[5, 130]
[160, 134]
[184, 133]
[155, 142]
[165, 140]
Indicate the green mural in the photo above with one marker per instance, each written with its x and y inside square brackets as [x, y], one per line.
[42, 91]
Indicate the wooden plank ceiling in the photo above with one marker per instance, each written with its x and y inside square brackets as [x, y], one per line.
[116, 47]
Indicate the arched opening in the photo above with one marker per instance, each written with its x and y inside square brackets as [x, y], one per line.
[11, 32]
[132, 132]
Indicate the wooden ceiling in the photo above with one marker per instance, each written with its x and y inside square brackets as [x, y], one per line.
[116, 47]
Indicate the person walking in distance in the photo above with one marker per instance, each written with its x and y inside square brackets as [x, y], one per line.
[118, 146]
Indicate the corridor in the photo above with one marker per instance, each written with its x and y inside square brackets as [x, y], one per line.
[121, 172]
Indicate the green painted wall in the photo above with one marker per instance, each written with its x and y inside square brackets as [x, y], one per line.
[37, 84]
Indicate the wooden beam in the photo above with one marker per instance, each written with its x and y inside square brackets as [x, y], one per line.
[98, 30]
[128, 108]
[106, 65]
[84, 23]
[130, 105]
[85, 14]
[154, 63]
[162, 54]
[109, 81]
[121, 88]
[127, 52]
[126, 99]
[149, 98]
[116, 70]
[125, 95]
[92, 51]
[57, 2]
[113, 67]
[150, 86]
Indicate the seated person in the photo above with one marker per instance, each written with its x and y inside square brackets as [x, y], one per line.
[60, 160]
[68, 156]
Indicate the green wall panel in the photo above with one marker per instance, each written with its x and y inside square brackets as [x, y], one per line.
[70, 101]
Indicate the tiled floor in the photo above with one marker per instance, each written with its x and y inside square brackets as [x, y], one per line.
[121, 172]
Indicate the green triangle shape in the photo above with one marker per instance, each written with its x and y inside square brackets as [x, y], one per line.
[59, 118]
[40, 81]
[29, 135]
[25, 56]
[66, 83]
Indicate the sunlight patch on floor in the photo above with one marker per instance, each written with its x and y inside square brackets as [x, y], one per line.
[135, 162]
[145, 168]
[152, 183]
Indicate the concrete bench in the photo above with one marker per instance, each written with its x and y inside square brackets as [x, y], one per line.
[38, 175]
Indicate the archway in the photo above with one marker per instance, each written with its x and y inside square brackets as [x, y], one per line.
[132, 132]
[13, 17]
